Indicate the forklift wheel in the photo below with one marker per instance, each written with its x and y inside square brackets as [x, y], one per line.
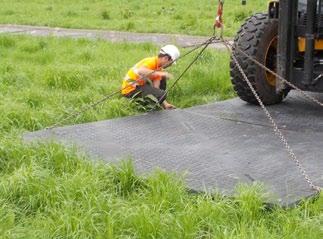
[258, 38]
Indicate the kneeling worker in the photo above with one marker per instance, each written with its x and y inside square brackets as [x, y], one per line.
[148, 77]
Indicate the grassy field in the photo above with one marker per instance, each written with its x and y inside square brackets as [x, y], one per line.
[181, 16]
[44, 78]
[47, 191]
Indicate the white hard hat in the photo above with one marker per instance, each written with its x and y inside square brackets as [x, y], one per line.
[172, 51]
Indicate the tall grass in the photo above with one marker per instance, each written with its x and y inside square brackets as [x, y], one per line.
[181, 16]
[48, 191]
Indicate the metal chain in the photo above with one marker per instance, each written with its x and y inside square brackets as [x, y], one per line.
[309, 97]
[81, 111]
[277, 131]
[217, 40]
[213, 39]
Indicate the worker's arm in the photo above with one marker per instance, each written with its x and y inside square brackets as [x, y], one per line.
[145, 72]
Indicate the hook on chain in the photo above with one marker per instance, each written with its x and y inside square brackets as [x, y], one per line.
[218, 22]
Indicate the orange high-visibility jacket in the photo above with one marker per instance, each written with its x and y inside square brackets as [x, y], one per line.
[133, 79]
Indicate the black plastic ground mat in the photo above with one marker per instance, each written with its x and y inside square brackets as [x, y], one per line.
[216, 146]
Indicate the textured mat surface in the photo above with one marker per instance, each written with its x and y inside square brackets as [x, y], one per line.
[217, 145]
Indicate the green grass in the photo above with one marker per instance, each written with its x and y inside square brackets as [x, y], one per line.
[182, 16]
[48, 191]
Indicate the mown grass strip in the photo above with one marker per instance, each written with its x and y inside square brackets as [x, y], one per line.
[182, 16]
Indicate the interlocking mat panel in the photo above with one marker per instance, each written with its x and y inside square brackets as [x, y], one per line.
[216, 146]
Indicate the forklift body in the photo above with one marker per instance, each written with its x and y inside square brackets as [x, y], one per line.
[288, 40]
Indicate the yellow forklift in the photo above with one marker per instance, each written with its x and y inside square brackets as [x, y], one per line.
[288, 40]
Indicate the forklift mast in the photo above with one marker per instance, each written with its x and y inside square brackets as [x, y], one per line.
[300, 21]
[288, 40]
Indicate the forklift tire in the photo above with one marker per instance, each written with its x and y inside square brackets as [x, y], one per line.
[258, 38]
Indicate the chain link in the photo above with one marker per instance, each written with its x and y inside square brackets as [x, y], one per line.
[277, 131]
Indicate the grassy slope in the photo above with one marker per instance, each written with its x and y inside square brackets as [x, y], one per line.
[181, 16]
[50, 192]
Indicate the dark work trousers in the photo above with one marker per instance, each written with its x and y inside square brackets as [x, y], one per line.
[148, 89]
